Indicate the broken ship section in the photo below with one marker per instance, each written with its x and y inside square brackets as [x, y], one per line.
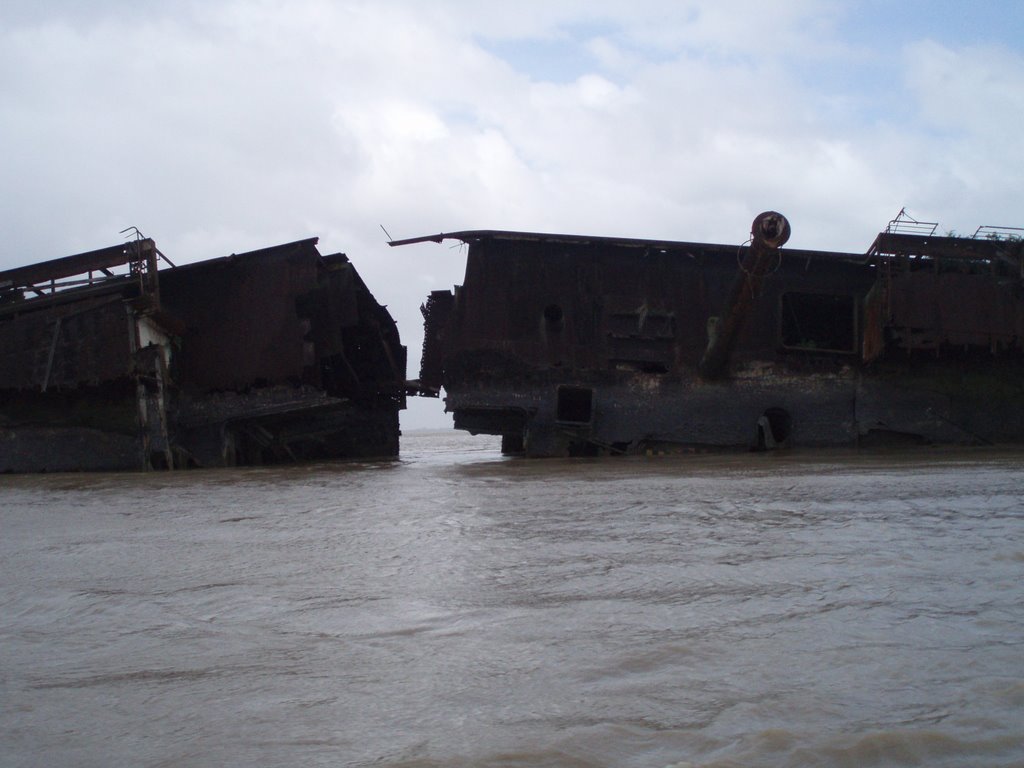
[574, 345]
[277, 355]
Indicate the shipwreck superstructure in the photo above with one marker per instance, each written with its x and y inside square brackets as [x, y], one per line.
[576, 345]
[108, 362]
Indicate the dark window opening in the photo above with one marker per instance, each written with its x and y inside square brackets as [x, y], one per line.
[159, 460]
[512, 444]
[773, 429]
[640, 366]
[553, 316]
[819, 322]
[575, 404]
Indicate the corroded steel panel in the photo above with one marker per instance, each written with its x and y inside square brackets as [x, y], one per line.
[933, 309]
[241, 324]
[68, 346]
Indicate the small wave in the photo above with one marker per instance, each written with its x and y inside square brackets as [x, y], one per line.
[138, 676]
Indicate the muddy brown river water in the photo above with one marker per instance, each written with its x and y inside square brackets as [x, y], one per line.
[456, 608]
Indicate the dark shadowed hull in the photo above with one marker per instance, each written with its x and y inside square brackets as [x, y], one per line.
[569, 345]
[273, 356]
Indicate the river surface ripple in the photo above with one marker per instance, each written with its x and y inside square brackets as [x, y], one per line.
[456, 608]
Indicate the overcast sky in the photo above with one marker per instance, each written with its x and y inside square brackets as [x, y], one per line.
[219, 127]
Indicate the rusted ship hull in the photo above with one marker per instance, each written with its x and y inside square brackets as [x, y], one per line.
[760, 409]
[271, 356]
[569, 345]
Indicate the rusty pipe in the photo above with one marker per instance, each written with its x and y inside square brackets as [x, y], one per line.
[768, 233]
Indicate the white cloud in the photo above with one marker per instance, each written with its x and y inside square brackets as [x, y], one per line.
[965, 156]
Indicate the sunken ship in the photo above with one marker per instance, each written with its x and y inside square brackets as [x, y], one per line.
[575, 345]
[110, 362]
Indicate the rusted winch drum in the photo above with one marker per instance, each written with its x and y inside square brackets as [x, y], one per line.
[770, 229]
